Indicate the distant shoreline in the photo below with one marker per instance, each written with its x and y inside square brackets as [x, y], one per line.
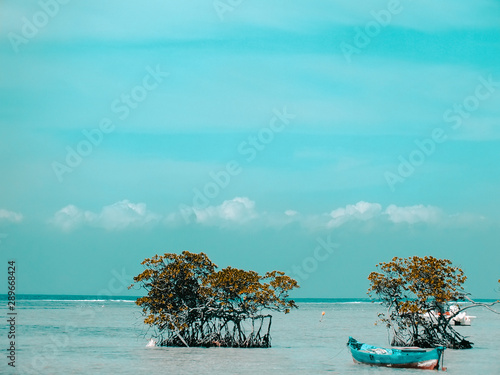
[99, 298]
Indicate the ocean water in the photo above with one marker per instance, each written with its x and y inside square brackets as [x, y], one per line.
[79, 335]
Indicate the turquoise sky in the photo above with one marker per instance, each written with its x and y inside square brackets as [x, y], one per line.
[317, 138]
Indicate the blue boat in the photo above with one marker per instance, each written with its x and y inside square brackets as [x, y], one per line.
[418, 358]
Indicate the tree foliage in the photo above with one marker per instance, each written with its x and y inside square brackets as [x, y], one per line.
[416, 292]
[190, 303]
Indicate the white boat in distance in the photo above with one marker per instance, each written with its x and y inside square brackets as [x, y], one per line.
[460, 319]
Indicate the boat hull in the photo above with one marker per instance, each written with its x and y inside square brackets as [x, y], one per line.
[416, 358]
[432, 364]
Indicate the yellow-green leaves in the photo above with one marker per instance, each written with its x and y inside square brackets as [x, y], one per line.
[416, 291]
[420, 279]
[186, 293]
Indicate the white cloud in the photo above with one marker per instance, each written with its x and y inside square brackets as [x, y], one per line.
[241, 211]
[365, 211]
[236, 210]
[70, 217]
[117, 216]
[11, 216]
[413, 214]
[122, 214]
[360, 211]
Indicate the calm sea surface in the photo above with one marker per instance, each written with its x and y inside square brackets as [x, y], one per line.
[108, 337]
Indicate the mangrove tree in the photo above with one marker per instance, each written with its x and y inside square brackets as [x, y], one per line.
[191, 303]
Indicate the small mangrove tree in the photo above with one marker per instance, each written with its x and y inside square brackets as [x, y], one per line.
[191, 303]
[417, 293]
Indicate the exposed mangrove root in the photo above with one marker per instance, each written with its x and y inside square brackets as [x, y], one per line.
[235, 333]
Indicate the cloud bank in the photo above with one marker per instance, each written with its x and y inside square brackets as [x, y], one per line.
[242, 211]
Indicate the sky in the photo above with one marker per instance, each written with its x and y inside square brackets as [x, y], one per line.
[317, 138]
